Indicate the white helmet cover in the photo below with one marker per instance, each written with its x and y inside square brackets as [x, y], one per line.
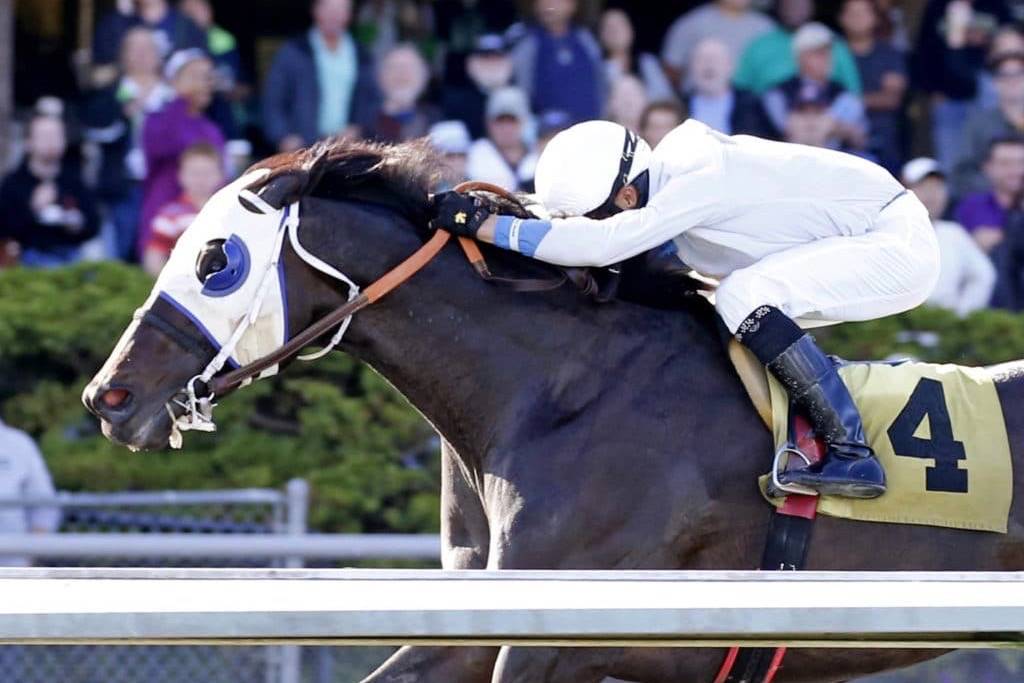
[579, 169]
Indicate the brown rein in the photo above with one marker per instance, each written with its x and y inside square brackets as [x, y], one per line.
[380, 288]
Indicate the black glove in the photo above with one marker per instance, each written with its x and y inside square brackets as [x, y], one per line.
[459, 214]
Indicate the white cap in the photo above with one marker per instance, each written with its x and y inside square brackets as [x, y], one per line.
[916, 170]
[508, 101]
[450, 137]
[577, 170]
[180, 59]
[811, 36]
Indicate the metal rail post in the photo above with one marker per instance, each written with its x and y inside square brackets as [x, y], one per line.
[296, 516]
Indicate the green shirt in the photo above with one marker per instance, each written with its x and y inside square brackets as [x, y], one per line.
[769, 60]
[337, 71]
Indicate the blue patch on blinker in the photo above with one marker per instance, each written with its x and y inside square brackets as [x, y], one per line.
[234, 273]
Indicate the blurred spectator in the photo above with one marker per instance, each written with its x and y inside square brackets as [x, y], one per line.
[172, 29]
[23, 474]
[985, 125]
[227, 109]
[812, 89]
[713, 100]
[659, 119]
[451, 139]
[46, 207]
[170, 131]
[113, 117]
[951, 49]
[9, 252]
[488, 67]
[627, 101]
[770, 60]
[461, 23]
[983, 214]
[320, 84]
[549, 124]
[558, 63]
[384, 24]
[502, 157]
[200, 174]
[402, 77]
[733, 22]
[966, 275]
[809, 124]
[892, 26]
[883, 75]
[1008, 40]
[621, 57]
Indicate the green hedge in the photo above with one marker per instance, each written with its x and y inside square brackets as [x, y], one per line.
[334, 422]
[337, 424]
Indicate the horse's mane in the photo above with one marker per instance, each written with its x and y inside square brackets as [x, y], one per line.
[401, 177]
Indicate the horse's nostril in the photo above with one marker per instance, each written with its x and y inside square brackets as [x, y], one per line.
[112, 398]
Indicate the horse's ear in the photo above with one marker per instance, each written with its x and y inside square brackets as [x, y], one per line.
[276, 192]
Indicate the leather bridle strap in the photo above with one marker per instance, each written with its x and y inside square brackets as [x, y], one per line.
[219, 384]
[392, 279]
[479, 263]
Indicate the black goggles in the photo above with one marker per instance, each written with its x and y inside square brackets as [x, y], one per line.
[621, 179]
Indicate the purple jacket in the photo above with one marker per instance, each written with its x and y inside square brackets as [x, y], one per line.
[165, 135]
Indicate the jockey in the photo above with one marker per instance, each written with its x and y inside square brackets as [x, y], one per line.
[798, 237]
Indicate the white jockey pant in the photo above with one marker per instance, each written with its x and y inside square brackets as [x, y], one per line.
[891, 268]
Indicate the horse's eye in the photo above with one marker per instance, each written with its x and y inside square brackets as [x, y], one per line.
[212, 259]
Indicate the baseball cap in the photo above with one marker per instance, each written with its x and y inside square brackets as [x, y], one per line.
[916, 170]
[811, 36]
[508, 101]
[450, 137]
[489, 44]
[180, 59]
[552, 121]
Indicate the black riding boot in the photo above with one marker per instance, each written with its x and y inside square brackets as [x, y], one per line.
[850, 467]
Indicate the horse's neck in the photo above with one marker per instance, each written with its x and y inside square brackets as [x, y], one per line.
[473, 358]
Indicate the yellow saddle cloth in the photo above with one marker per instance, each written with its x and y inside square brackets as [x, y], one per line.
[938, 431]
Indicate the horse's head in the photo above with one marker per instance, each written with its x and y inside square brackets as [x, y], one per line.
[219, 302]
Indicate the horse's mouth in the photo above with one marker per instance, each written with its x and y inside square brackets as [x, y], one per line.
[142, 433]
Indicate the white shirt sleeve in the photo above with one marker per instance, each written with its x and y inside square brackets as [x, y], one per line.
[979, 277]
[686, 201]
[38, 484]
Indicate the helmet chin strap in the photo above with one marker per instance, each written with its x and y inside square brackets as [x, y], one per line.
[198, 410]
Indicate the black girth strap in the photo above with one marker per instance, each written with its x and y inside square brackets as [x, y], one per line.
[789, 535]
[785, 550]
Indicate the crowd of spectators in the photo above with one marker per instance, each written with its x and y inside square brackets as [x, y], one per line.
[171, 113]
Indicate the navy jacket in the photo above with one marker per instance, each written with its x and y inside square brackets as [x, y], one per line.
[20, 223]
[291, 93]
[748, 116]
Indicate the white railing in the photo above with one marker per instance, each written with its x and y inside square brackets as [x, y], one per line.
[285, 539]
[346, 547]
[600, 608]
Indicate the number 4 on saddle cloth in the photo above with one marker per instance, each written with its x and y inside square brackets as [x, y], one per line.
[938, 431]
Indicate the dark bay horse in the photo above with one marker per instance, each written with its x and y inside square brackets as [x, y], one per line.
[576, 435]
